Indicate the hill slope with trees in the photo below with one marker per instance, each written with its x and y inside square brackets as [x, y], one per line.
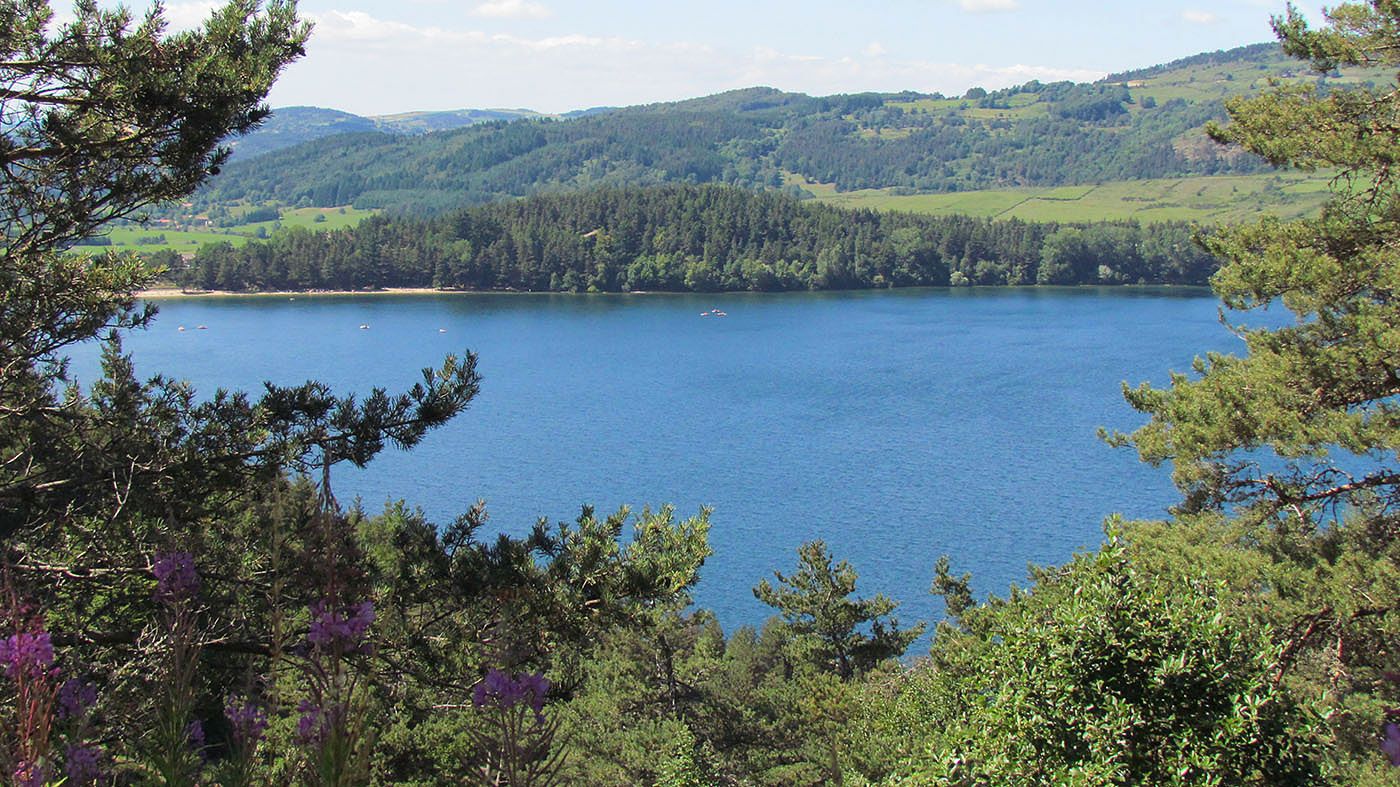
[1142, 124]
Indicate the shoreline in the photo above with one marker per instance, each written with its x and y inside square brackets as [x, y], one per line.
[175, 293]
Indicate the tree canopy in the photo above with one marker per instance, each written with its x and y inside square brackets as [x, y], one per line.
[698, 238]
[1294, 448]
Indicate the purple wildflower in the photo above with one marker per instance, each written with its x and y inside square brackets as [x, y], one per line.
[194, 735]
[309, 726]
[83, 764]
[499, 690]
[27, 654]
[30, 774]
[176, 578]
[248, 722]
[1390, 743]
[75, 696]
[339, 626]
[317, 722]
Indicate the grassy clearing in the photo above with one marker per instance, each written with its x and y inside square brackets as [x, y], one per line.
[141, 239]
[335, 219]
[186, 241]
[1209, 200]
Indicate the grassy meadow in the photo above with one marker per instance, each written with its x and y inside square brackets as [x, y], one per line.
[1222, 199]
[155, 237]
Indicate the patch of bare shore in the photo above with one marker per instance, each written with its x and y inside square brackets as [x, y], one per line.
[176, 292]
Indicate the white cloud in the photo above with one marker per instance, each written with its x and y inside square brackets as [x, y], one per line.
[511, 9]
[361, 63]
[1196, 17]
[358, 26]
[988, 6]
[187, 16]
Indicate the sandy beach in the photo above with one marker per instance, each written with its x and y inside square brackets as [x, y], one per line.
[175, 292]
[162, 293]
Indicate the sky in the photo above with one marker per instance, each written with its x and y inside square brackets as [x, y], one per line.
[374, 57]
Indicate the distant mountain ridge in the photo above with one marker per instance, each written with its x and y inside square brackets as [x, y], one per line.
[1146, 123]
[290, 126]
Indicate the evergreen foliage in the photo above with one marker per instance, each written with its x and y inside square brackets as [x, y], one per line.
[698, 238]
[825, 625]
[1299, 441]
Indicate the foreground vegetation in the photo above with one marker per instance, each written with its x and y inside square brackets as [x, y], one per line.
[183, 601]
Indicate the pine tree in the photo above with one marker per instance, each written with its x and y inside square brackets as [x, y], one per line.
[827, 624]
[1293, 449]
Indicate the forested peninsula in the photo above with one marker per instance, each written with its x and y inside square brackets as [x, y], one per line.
[695, 238]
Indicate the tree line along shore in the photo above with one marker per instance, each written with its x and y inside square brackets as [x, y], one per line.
[693, 239]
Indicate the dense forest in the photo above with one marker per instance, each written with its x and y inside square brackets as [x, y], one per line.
[184, 601]
[695, 238]
[1049, 134]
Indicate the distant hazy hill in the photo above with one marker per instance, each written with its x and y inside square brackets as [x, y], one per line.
[289, 126]
[425, 122]
[1139, 124]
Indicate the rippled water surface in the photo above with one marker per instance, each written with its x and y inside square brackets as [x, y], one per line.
[897, 426]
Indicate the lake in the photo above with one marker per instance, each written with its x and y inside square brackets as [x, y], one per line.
[897, 426]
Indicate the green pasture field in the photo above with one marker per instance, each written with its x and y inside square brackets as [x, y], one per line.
[186, 241]
[336, 219]
[1221, 199]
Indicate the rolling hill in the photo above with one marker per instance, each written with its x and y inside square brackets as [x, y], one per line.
[891, 148]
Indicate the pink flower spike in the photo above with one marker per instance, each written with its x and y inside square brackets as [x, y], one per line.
[1390, 744]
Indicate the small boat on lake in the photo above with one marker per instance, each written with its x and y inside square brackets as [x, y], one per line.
[364, 326]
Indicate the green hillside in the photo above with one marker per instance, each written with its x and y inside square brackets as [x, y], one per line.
[1145, 124]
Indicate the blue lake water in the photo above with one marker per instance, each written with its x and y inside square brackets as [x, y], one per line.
[898, 426]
